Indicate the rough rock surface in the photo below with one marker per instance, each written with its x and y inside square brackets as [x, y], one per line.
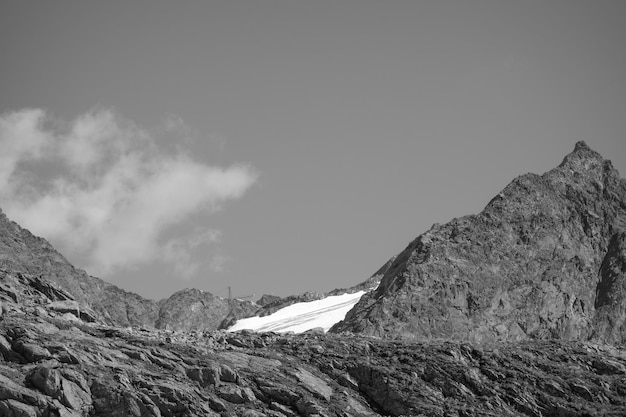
[193, 309]
[50, 366]
[545, 259]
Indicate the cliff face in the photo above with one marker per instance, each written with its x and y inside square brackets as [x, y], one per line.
[545, 259]
[23, 253]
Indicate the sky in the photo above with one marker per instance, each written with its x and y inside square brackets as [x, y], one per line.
[281, 146]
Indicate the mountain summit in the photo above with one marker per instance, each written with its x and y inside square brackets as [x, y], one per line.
[545, 259]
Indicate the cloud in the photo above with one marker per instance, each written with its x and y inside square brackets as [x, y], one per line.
[183, 253]
[103, 189]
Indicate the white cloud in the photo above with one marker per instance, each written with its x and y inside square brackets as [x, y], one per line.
[101, 188]
[182, 253]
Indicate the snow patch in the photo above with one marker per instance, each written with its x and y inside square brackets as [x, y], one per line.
[301, 317]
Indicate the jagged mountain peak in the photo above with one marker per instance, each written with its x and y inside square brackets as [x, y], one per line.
[526, 267]
[585, 164]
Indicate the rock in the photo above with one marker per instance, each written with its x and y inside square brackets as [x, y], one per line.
[31, 352]
[46, 379]
[314, 384]
[9, 390]
[226, 374]
[74, 396]
[13, 408]
[277, 392]
[235, 394]
[69, 387]
[73, 307]
[252, 413]
[608, 366]
[316, 330]
[195, 309]
[267, 299]
[5, 348]
[238, 342]
[216, 404]
[307, 407]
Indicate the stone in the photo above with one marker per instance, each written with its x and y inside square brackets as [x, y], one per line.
[5, 347]
[314, 384]
[235, 394]
[32, 352]
[226, 374]
[13, 408]
[74, 396]
[205, 376]
[46, 380]
[283, 409]
[9, 390]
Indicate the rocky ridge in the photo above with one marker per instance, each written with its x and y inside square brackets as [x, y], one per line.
[22, 252]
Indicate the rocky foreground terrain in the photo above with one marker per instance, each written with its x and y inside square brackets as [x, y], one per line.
[55, 364]
[517, 311]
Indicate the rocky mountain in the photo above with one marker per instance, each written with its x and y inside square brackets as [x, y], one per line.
[22, 252]
[545, 259]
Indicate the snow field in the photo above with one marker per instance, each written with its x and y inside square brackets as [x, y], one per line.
[301, 317]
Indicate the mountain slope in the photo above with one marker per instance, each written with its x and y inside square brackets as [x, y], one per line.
[543, 260]
[22, 252]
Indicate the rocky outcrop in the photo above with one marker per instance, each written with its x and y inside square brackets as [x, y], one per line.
[193, 309]
[543, 260]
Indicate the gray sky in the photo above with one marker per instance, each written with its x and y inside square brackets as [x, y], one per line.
[281, 146]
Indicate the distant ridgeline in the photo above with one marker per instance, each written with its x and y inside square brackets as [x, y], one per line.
[23, 253]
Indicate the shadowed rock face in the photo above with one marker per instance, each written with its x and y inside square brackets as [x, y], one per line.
[545, 259]
[610, 318]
